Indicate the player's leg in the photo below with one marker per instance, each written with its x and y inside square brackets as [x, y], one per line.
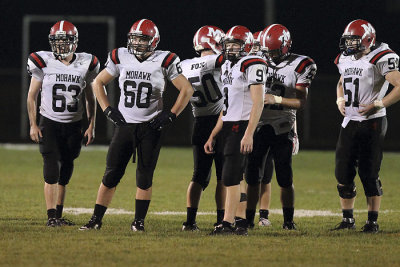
[374, 131]
[232, 173]
[51, 172]
[148, 148]
[70, 147]
[240, 217]
[119, 153]
[345, 171]
[281, 149]
[220, 190]
[265, 191]
[254, 171]
[200, 180]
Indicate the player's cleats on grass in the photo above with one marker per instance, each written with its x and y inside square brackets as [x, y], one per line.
[370, 227]
[289, 226]
[223, 229]
[94, 223]
[137, 225]
[264, 222]
[241, 231]
[53, 222]
[190, 227]
[346, 223]
[65, 222]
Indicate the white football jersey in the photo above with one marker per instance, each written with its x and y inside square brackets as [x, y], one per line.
[282, 79]
[236, 80]
[142, 83]
[364, 80]
[62, 85]
[204, 73]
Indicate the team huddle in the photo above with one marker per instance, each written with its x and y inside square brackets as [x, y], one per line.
[244, 90]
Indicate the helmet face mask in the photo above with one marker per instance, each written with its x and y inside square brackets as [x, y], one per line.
[63, 39]
[233, 49]
[275, 55]
[143, 38]
[350, 45]
[237, 43]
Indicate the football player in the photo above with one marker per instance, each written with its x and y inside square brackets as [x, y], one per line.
[139, 118]
[366, 68]
[243, 78]
[204, 73]
[288, 79]
[63, 77]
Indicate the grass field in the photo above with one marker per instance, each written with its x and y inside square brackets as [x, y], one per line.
[24, 240]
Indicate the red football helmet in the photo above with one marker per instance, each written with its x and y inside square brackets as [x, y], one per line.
[276, 42]
[208, 38]
[241, 35]
[358, 36]
[257, 42]
[63, 39]
[143, 37]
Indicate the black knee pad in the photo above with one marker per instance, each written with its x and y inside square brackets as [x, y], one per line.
[201, 178]
[67, 167]
[51, 169]
[243, 197]
[373, 188]
[285, 182]
[347, 191]
[112, 177]
[144, 179]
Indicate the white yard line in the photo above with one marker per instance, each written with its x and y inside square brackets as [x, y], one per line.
[297, 213]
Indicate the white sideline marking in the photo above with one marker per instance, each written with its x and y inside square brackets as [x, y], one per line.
[24, 147]
[297, 213]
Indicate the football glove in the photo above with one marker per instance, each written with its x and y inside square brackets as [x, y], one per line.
[115, 116]
[162, 120]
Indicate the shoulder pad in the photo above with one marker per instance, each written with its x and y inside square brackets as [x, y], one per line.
[251, 61]
[114, 56]
[336, 61]
[37, 60]
[303, 64]
[379, 55]
[219, 61]
[93, 63]
[168, 60]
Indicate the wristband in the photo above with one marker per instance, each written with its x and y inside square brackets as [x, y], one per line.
[378, 104]
[339, 100]
[278, 99]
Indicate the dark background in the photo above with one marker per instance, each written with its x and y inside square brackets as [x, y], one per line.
[315, 27]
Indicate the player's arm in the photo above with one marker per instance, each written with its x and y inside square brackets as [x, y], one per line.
[209, 145]
[295, 103]
[340, 102]
[99, 88]
[91, 113]
[185, 93]
[33, 93]
[256, 92]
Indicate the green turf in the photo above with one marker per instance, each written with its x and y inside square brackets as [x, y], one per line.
[24, 240]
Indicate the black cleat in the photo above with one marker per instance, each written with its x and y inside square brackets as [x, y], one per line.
[222, 229]
[137, 225]
[370, 227]
[217, 223]
[190, 227]
[65, 222]
[94, 223]
[241, 231]
[251, 225]
[53, 222]
[289, 226]
[346, 223]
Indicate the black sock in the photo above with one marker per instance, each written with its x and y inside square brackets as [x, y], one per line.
[288, 214]
[99, 211]
[372, 216]
[141, 208]
[191, 215]
[347, 213]
[226, 224]
[264, 214]
[59, 211]
[51, 213]
[220, 215]
[241, 222]
[250, 214]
